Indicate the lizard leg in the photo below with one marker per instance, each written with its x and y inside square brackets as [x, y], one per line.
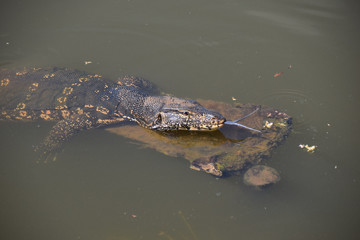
[63, 131]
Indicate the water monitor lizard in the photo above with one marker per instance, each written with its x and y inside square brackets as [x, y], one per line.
[78, 101]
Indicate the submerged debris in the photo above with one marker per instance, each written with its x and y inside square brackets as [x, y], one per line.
[223, 152]
[260, 176]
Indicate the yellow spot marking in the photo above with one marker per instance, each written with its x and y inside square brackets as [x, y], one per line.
[5, 82]
[65, 113]
[61, 99]
[79, 111]
[22, 113]
[20, 73]
[102, 110]
[95, 76]
[76, 84]
[33, 87]
[4, 113]
[60, 107]
[105, 98]
[21, 106]
[106, 86]
[67, 90]
[89, 106]
[45, 116]
[49, 75]
[96, 91]
[88, 123]
[84, 79]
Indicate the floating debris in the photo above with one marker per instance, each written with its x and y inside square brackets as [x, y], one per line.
[268, 124]
[87, 62]
[308, 148]
[233, 98]
[278, 74]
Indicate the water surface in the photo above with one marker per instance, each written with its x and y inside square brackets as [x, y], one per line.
[106, 187]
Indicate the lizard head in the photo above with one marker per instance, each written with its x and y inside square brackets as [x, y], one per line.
[183, 114]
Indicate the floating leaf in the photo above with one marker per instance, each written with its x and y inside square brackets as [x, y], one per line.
[278, 74]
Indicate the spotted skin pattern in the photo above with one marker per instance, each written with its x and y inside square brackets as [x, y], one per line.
[78, 101]
[52, 94]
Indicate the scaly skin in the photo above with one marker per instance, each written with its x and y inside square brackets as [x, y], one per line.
[77, 101]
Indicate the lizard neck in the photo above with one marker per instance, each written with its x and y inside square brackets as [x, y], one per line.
[136, 105]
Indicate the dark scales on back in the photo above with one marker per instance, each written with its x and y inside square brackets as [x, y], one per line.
[78, 101]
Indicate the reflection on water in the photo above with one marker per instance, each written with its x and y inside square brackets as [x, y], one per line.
[104, 186]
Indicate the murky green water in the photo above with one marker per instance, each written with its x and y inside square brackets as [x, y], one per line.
[105, 187]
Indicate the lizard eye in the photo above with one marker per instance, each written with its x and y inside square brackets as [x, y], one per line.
[159, 118]
[186, 113]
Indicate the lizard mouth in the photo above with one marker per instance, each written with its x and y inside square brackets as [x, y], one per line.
[218, 124]
[213, 125]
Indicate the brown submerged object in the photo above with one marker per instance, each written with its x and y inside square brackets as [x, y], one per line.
[260, 176]
[226, 151]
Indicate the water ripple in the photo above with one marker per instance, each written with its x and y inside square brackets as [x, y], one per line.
[295, 102]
